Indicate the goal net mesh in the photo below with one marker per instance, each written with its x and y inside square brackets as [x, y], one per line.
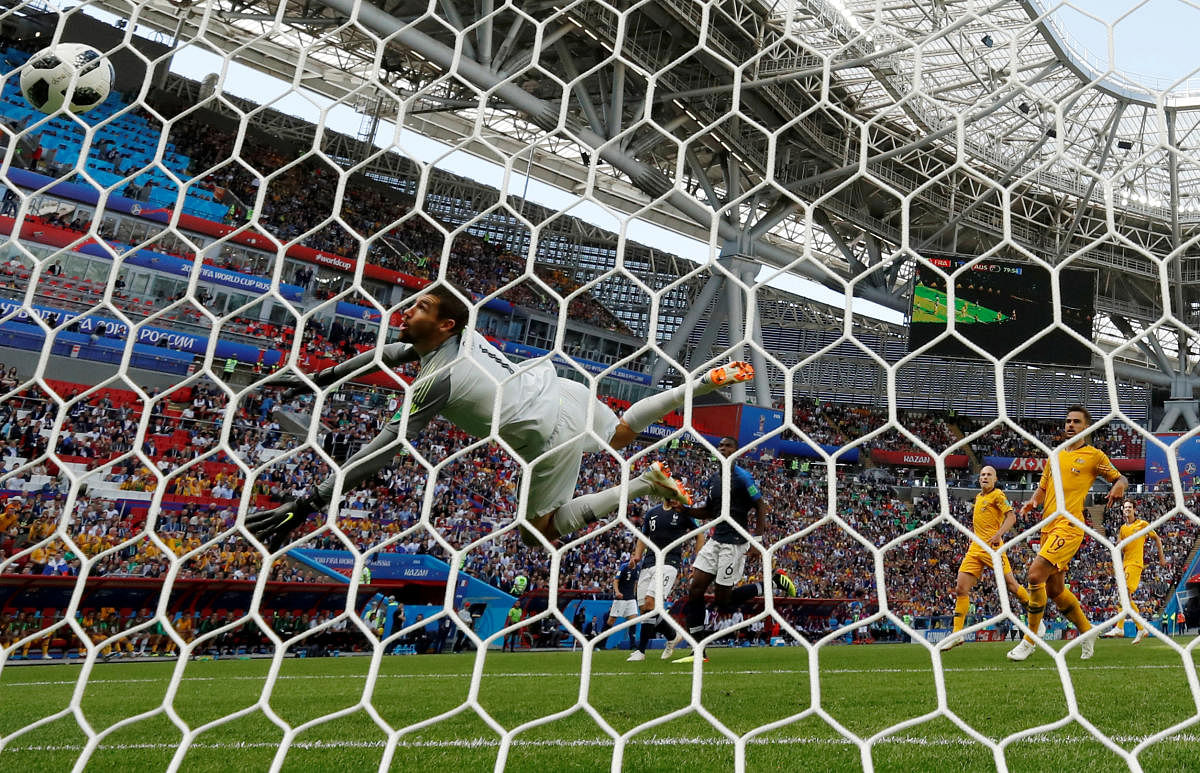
[638, 193]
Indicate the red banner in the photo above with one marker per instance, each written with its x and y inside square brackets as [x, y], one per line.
[916, 458]
[53, 236]
[308, 254]
[717, 420]
[987, 635]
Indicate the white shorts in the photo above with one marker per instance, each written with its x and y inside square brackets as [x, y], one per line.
[723, 561]
[622, 608]
[649, 586]
[557, 474]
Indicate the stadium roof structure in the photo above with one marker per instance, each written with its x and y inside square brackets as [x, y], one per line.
[833, 140]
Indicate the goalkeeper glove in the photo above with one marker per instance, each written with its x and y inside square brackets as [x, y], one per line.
[292, 386]
[272, 527]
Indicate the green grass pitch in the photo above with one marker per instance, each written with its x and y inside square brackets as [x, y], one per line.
[1126, 692]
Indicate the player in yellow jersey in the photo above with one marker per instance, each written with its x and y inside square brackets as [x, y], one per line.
[1133, 561]
[992, 519]
[1079, 464]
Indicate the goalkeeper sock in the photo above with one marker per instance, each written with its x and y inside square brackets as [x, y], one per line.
[1069, 606]
[581, 511]
[1037, 606]
[665, 628]
[650, 409]
[962, 604]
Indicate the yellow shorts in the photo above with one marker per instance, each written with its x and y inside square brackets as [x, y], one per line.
[1133, 577]
[1060, 543]
[977, 559]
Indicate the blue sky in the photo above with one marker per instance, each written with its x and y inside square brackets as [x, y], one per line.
[1155, 38]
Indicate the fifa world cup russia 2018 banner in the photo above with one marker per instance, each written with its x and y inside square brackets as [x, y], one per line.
[1035, 464]
[493, 602]
[41, 233]
[149, 338]
[1187, 456]
[383, 566]
[916, 459]
[756, 422]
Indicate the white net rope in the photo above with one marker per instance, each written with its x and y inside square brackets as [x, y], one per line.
[176, 251]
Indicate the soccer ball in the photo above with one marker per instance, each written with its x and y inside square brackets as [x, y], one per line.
[68, 69]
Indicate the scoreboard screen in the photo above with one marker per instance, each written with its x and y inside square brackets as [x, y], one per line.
[1000, 306]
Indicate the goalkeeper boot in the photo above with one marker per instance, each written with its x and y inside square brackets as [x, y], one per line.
[784, 586]
[728, 374]
[669, 650]
[272, 527]
[1141, 635]
[658, 475]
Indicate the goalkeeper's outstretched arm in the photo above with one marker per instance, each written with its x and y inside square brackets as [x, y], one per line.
[390, 355]
[377, 454]
[273, 526]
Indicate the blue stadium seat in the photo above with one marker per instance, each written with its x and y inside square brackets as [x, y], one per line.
[136, 139]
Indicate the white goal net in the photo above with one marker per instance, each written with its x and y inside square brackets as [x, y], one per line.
[849, 273]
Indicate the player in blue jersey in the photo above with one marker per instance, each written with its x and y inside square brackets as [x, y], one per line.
[722, 560]
[663, 525]
[624, 606]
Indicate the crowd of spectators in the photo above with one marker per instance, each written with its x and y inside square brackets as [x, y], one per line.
[300, 198]
[811, 419]
[474, 504]
[838, 424]
[300, 195]
[842, 423]
[1117, 439]
[1003, 441]
[930, 428]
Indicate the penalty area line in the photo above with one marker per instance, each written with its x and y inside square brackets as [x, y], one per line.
[710, 672]
[485, 743]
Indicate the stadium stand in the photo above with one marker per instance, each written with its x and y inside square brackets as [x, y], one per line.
[475, 495]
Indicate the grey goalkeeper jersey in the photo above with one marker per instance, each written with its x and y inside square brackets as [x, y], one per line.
[461, 380]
